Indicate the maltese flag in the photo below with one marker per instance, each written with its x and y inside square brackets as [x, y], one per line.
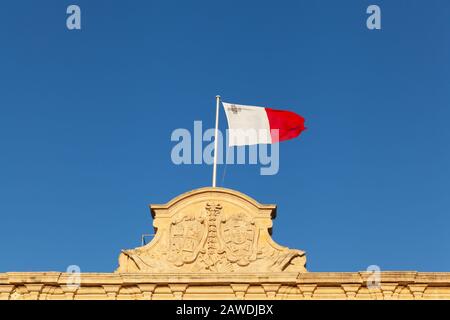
[250, 125]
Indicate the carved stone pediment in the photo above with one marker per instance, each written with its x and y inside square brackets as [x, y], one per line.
[212, 230]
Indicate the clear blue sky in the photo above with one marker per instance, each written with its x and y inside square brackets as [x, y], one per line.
[86, 118]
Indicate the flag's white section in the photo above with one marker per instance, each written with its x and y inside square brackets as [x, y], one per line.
[247, 124]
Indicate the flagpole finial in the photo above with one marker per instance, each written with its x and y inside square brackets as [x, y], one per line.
[218, 96]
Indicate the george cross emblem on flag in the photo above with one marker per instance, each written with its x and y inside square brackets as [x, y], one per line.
[235, 109]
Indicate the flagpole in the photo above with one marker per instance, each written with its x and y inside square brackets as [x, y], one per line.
[216, 133]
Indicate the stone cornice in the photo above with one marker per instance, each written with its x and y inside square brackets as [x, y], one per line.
[320, 278]
[311, 285]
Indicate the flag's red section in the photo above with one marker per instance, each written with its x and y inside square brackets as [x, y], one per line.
[289, 124]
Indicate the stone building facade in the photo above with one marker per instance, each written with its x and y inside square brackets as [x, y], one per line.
[215, 243]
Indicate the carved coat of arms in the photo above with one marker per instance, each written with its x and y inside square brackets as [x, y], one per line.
[187, 235]
[239, 237]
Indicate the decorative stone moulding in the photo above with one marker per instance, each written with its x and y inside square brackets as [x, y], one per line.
[212, 230]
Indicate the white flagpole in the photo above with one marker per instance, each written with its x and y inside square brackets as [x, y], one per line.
[215, 142]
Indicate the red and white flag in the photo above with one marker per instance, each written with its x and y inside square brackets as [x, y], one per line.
[250, 125]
